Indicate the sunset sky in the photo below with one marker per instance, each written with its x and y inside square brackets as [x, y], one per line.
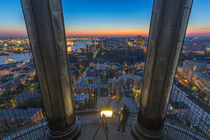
[103, 17]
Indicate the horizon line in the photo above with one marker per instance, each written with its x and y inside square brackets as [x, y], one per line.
[26, 36]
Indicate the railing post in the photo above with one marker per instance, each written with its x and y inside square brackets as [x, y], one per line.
[167, 30]
[45, 27]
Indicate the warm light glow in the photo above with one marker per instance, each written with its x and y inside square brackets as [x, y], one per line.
[68, 49]
[102, 32]
[107, 113]
[197, 31]
[194, 68]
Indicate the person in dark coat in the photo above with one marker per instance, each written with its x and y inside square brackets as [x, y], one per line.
[123, 118]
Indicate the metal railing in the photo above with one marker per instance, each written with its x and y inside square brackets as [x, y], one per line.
[20, 107]
[186, 108]
[173, 131]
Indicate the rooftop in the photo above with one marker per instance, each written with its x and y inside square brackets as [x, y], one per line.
[18, 113]
[194, 99]
[179, 105]
[28, 95]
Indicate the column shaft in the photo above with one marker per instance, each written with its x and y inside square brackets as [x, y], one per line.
[167, 31]
[45, 27]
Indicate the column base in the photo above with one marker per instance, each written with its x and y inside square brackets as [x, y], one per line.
[141, 133]
[70, 133]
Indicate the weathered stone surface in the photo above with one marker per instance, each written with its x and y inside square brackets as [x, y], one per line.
[167, 30]
[45, 26]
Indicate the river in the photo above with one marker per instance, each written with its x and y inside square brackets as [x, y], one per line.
[12, 57]
[80, 44]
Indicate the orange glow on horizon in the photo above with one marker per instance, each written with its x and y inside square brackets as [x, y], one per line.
[198, 31]
[15, 32]
[106, 32]
[144, 32]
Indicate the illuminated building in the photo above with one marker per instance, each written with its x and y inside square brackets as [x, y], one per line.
[69, 50]
[189, 67]
[47, 38]
[140, 42]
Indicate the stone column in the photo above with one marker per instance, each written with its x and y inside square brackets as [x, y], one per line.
[45, 27]
[167, 31]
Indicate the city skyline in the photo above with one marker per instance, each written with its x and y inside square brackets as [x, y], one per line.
[103, 18]
[106, 72]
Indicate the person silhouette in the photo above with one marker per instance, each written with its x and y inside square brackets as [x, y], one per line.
[123, 118]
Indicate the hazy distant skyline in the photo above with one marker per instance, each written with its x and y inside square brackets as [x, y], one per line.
[103, 17]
